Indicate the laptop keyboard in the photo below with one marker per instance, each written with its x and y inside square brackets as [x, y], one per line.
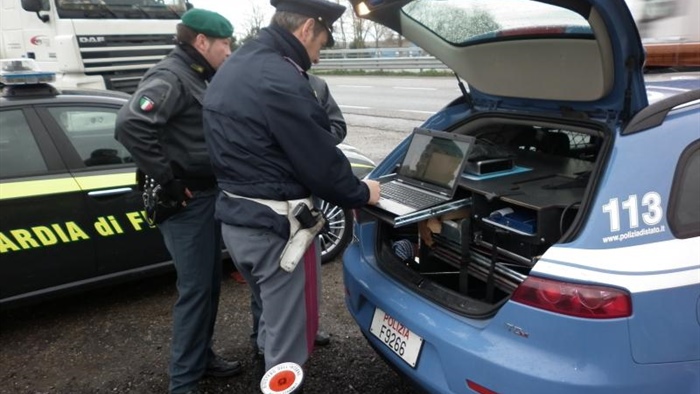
[407, 196]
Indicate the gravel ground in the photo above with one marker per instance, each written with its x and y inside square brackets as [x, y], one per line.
[116, 340]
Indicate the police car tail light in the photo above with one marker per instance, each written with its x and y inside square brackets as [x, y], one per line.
[574, 299]
[23, 72]
[479, 388]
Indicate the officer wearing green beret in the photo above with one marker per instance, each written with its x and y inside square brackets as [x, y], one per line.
[161, 126]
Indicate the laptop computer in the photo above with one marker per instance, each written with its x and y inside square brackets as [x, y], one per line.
[429, 173]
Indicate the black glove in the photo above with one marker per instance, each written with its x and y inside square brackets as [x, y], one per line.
[174, 191]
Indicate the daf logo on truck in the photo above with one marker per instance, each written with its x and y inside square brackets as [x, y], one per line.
[91, 40]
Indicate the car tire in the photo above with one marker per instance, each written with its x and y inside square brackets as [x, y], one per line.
[337, 233]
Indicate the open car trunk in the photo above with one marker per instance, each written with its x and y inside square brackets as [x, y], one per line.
[470, 258]
[549, 82]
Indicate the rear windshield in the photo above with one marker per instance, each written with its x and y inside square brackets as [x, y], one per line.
[463, 22]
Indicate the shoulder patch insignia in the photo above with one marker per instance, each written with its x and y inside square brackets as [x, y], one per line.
[146, 104]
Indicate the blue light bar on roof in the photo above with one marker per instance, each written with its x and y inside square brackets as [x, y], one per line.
[23, 72]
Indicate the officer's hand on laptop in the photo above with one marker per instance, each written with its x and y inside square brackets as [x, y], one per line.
[373, 191]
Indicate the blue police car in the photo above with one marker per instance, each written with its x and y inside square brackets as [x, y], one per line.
[567, 258]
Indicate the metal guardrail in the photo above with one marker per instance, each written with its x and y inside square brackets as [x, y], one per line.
[382, 63]
[372, 52]
[412, 58]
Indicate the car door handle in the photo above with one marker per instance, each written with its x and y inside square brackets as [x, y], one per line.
[110, 192]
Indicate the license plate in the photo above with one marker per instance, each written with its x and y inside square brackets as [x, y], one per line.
[396, 337]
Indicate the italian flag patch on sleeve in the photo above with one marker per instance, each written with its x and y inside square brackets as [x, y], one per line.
[146, 104]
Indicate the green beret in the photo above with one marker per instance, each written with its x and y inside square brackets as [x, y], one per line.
[209, 23]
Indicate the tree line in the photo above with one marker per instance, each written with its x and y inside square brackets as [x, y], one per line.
[350, 30]
[455, 24]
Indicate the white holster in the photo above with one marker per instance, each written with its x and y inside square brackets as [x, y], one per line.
[299, 238]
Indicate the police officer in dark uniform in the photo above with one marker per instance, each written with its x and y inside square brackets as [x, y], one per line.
[339, 130]
[270, 144]
[161, 126]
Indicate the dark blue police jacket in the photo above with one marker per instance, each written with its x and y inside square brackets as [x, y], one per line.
[269, 138]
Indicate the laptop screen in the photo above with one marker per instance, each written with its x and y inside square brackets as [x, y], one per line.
[435, 158]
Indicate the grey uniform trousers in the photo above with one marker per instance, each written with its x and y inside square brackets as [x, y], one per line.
[193, 238]
[286, 303]
[256, 307]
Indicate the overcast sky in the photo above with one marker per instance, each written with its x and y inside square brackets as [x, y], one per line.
[237, 11]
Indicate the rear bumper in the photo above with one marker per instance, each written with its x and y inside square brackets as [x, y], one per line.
[560, 355]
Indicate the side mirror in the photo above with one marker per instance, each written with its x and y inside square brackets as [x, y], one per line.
[34, 5]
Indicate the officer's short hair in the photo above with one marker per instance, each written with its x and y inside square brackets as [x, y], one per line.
[186, 35]
[291, 21]
[323, 12]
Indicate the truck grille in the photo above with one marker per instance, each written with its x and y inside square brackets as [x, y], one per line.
[124, 82]
[123, 59]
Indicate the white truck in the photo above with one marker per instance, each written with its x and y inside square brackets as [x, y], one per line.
[670, 31]
[98, 44]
